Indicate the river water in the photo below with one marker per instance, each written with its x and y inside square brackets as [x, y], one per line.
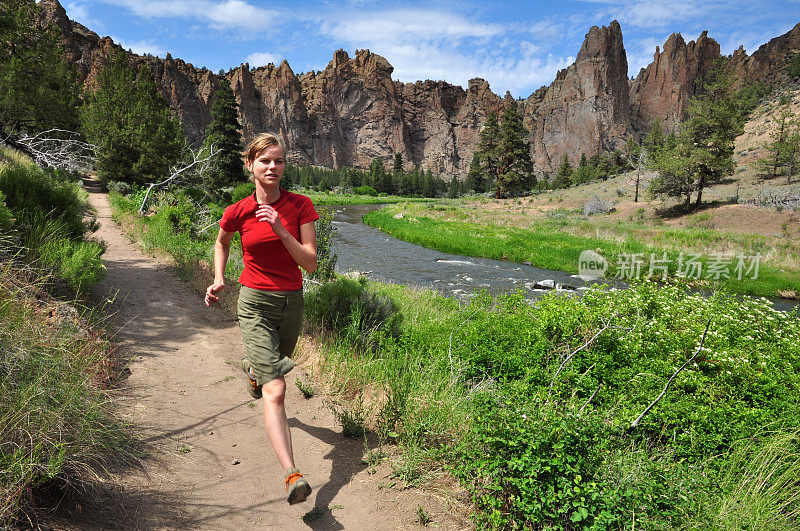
[381, 257]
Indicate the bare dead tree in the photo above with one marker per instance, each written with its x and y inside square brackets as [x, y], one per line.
[58, 148]
[686, 364]
[196, 162]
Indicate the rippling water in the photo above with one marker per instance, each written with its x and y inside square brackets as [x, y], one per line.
[382, 257]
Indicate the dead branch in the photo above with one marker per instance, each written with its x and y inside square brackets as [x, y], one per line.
[572, 355]
[59, 149]
[198, 163]
[590, 398]
[686, 363]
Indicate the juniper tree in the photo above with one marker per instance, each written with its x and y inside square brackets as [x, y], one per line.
[783, 150]
[38, 89]
[475, 179]
[130, 122]
[515, 167]
[225, 134]
[564, 175]
[489, 148]
[705, 144]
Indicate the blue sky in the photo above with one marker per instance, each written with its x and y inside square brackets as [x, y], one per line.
[515, 45]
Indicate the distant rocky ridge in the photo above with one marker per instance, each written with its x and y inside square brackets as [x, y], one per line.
[352, 111]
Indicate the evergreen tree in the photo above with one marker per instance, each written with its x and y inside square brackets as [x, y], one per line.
[397, 168]
[428, 184]
[713, 125]
[654, 141]
[377, 174]
[584, 172]
[38, 89]
[489, 148]
[130, 121]
[454, 188]
[475, 179]
[515, 168]
[224, 133]
[783, 150]
[564, 175]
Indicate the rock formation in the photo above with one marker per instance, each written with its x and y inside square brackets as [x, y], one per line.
[587, 108]
[352, 111]
[662, 91]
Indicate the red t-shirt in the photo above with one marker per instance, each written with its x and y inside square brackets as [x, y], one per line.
[268, 265]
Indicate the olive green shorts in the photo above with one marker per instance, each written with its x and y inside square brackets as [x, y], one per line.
[270, 322]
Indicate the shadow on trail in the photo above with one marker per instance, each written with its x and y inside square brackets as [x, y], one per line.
[343, 468]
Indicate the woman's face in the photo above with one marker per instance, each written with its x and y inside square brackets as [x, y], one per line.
[267, 168]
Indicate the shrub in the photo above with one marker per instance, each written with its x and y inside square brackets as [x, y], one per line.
[241, 191]
[597, 206]
[56, 427]
[365, 190]
[119, 187]
[348, 307]
[326, 257]
[30, 191]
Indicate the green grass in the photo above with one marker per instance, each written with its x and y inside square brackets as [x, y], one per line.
[57, 428]
[470, 387]
[549, 244]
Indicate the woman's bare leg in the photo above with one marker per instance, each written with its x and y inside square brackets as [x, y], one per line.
[275, 421]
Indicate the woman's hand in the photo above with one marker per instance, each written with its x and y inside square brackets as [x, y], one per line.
[270, 215]
[211, 292]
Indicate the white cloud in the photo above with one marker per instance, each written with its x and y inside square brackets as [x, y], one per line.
[262, 58]
[230, 14]
[400, 24]
[79, 12]
[442, 45]
[141, 47]
[640, 53]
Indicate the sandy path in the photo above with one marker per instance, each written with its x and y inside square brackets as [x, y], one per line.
[210, 464]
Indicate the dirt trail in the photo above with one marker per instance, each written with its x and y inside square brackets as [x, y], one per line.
[210, 464]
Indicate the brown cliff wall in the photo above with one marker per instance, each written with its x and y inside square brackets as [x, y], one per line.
[352, 111]
[586, 109]
[662, 90]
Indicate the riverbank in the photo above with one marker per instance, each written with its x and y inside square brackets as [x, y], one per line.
[523, 230]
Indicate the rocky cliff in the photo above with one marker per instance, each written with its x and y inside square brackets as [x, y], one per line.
[662, 91]
[352, 111]
[587, 108]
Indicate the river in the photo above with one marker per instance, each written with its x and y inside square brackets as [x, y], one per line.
[381, 257]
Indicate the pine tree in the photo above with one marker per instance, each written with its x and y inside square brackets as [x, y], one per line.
[489, 148]
[224, 133]
[712, 127]
[515, 167]
[654, 141]
[38, 89]
[397, 168]
[130, 121]
[783, 150]
[475, 179]
[564, 175]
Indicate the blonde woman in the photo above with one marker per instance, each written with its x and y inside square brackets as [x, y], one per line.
[277, 230]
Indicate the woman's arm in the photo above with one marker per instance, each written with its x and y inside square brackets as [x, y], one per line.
[222, 249]
[304, 251]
